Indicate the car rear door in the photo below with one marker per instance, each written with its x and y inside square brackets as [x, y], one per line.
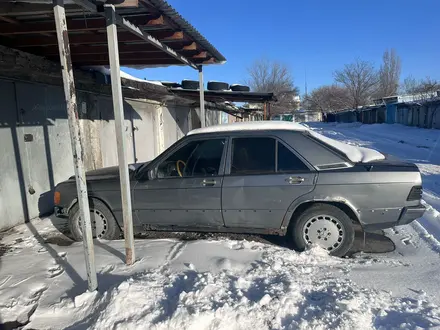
[185, 189]
[263, 177]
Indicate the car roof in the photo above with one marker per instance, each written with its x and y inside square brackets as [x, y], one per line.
[251, 126]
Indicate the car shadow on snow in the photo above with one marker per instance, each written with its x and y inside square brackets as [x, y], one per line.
[375, 242]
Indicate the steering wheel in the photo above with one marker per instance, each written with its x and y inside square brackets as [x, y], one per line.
[178, 167]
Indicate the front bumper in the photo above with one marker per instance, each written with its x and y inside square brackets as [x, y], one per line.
[60, 212]
[410, 214]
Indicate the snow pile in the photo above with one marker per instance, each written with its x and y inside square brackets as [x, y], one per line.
[282, 290]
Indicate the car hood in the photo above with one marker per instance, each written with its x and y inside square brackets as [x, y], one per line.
[111, 172]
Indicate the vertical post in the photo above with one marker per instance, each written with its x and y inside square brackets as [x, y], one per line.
[118, 107]
[265, 111]
[75, 139]
[202, 98]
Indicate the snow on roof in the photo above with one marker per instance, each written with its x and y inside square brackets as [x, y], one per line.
[106, 71]
[250, 126]
[125, 75]
[354, 153]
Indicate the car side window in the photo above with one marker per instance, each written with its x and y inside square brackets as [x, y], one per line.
[197, 158]
[288, 161]
[253, 155]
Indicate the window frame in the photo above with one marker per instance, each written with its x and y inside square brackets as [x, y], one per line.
[228, 163]
[153, 167]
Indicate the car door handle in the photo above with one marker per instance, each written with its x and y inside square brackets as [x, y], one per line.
[295, 180]
[208, 183]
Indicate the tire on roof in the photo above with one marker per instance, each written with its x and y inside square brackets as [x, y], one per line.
[190, 84]
[171, 84]
[217, 86]
[240, 88]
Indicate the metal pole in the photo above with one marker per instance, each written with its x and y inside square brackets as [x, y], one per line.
[75, 139]
[202, 98]
[118, 107]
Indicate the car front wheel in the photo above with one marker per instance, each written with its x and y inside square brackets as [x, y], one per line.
[103, 222]
[326, 226]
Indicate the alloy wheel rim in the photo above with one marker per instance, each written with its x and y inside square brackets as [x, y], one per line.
[325, 231]
[99, 223]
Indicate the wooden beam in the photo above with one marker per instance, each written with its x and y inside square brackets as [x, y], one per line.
[103, 49]
[123, 3]
[9, 20]
[138, 62]
[87, 39]
[26, 9]
[74, 25]
[192, 46]
[126, 25]
[124, 56]
[201, 55]
[209, 61]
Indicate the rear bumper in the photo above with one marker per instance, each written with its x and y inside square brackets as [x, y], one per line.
[407, 215]
[410, 214]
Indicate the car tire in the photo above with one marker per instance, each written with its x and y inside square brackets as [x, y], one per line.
[102, 220]
[240, 88]
[217, 86]
[317, 224]
[190, 84]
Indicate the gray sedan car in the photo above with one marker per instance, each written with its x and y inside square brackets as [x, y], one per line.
[266, 177]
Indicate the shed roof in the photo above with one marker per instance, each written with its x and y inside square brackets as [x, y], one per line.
[30, 27]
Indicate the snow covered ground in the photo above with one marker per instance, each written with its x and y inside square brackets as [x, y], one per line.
[234, 284]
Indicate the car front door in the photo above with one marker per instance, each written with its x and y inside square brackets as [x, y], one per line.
[263, 177]
[184, 186]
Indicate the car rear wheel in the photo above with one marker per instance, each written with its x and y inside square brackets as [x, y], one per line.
[326, 226]
[104, 224]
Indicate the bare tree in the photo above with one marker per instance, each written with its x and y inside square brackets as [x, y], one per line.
[409, 85]
[329, 98]
[389, 74]
[272, 76]
[360, 79]
[425, 88]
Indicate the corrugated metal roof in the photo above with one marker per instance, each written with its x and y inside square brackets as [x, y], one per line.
[165, 8]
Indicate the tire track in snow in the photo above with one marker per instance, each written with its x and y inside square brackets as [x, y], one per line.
[175, 251]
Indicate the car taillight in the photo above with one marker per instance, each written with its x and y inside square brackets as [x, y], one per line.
[57, 197]
[415, 193]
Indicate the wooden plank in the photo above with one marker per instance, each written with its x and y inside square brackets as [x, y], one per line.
[192, 46]
[74, 25]
[103, 49]
[201, 55]
[26, 9]
[123, 3]
[137, 62]
[85, 39]
[149, 38]
[125, 56]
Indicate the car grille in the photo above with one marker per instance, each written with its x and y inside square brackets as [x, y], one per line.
[415, 193]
